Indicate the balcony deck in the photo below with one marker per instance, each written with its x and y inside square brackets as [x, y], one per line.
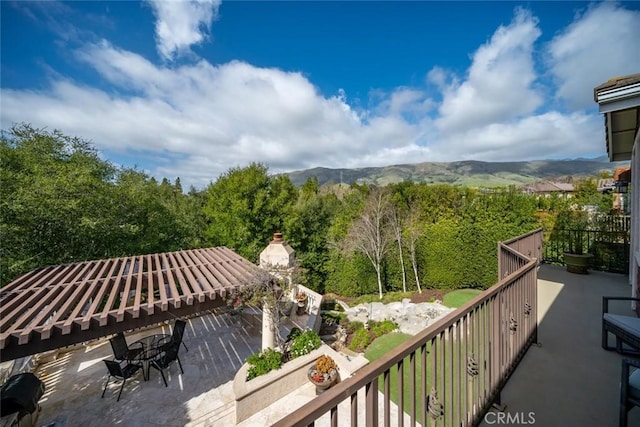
[568, 379]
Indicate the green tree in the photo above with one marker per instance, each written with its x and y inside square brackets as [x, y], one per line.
[245, 206]
[586, 194]
[55, 197]
[307, 232]
[61, 203]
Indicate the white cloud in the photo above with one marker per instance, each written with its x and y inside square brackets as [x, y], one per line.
[600, 44]
[198, 120]
[180, 24]
[499, 83]
[546, 135]
[206, 118]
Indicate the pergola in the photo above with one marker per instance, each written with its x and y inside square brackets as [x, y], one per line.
[61, 305]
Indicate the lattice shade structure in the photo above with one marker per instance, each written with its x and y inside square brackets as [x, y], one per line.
[57, 306]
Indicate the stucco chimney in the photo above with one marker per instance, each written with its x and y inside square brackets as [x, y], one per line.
[277, 254]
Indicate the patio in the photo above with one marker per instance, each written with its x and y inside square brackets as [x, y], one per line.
[218, 346]
[568, 380]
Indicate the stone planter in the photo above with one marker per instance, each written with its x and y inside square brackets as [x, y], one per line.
[577, 263]
[329, 379]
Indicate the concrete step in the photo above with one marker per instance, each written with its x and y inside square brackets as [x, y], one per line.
[222, 416]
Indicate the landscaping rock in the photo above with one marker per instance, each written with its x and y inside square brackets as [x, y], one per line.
[411, 318]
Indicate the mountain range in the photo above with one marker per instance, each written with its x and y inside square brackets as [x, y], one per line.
[464, 173]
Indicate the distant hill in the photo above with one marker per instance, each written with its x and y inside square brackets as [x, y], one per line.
[465, 173]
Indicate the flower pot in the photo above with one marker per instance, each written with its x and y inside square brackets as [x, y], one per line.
[577, 263]
[327, 381]
[302, 307]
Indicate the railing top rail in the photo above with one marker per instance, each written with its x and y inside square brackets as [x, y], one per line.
[514, 252]
[324, 402]
[515, 239]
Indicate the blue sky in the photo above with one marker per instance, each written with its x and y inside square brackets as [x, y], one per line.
[191, 89]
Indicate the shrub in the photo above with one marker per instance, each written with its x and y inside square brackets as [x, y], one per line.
[305, 343]
[382, 327]
[354, 326]
[330, 304]
[263, 362]
[361, 339]
[333, 318]
[293, 333]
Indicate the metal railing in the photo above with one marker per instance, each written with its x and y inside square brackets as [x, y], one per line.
[610, 249]
[451, 372]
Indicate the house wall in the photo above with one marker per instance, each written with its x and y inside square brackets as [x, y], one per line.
[634, 264]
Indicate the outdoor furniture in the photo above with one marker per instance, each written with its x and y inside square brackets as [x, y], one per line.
[165, 359]
[625, 328]
[178, 333]
[120, 373]
[629, 388]
[152, 346]
[122, 351]
[19, 398]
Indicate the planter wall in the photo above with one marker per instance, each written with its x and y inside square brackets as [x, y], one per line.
[255, 395]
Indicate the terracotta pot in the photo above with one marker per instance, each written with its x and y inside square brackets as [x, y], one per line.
[322, 386]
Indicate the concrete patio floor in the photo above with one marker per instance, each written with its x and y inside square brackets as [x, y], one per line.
[202, 396]
[569, 380]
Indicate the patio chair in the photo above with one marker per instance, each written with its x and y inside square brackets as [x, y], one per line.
[629, 389]
[178, 333]
[121, 351]
[165, 359]
[120, 373]
[625, 328]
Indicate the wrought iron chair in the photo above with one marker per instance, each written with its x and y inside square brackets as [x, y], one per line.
[629, 388]
[165, 359]
[120, 373]
[178, 333]
[121, 351]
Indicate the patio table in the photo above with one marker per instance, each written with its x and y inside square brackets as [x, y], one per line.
[152, 345]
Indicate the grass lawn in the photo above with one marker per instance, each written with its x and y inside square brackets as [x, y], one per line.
[451, 365]
[459, 297]
[383, 345]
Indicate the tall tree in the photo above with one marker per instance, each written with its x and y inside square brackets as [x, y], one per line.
[396, 223]
[54, 200]
[61, 203]
[307, 229]
[246, 206]
[370, 234]
[413, 233]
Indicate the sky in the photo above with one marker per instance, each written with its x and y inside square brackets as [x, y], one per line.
[191, 89]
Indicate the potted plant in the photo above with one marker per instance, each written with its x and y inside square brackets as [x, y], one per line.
[301, 299]
[323, 373]
[574, 225]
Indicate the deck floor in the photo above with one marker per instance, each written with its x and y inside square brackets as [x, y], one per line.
[568, 379]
